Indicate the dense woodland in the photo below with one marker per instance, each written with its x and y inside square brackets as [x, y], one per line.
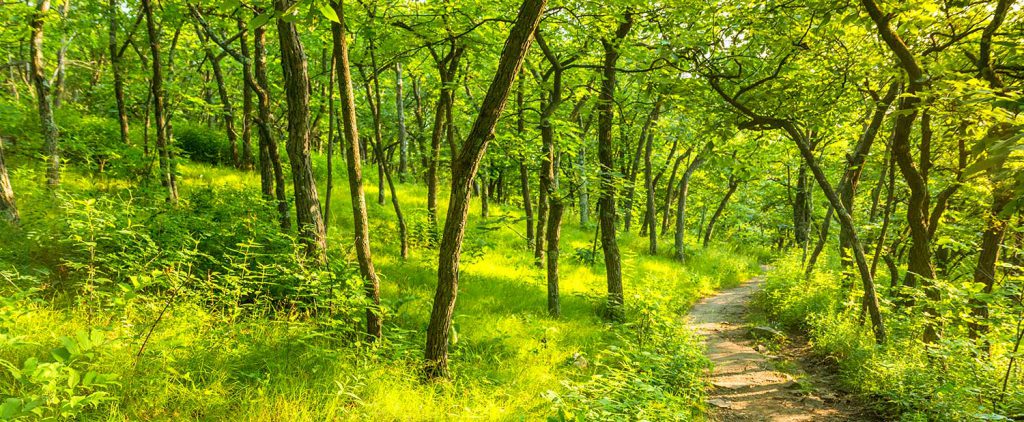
[421, 210]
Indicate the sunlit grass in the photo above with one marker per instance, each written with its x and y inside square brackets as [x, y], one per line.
[507, 352]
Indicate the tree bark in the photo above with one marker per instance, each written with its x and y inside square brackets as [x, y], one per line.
[163, 142]
[634, 168]
[447, 67]
[605, 152]
[115, 69]
[855, 166]
[734, 183]
[920, 260]
[649, 186]
[464, 168]
[42, 85]
[684, 191]
[247, 91]
[554, 232]
[403, 137]
[8, 208]
[270, 160]
[361, 229]
[226, 108]
[524, 175]
[296, 84]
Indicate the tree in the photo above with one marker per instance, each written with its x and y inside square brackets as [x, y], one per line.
[371, 284]
[605, 153]
[464, 169]
[42, 85]
[115, 69]
[163, 141]
[8, 209]
[296, 84]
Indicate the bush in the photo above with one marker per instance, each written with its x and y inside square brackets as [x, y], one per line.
[905, 379]
[202, 144]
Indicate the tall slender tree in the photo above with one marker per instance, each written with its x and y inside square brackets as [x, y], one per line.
[361, 235]
[464, 169]
[42, 85]
[296, 84]
[605, 153]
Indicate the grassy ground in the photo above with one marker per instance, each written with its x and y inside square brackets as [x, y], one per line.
[509, 359]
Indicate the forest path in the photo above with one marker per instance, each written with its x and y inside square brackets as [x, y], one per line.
[746, 384]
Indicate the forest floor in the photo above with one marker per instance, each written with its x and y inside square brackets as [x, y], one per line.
[749, 383]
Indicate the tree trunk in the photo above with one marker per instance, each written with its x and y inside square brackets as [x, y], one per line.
[464, 168]
[8, 209]
[421, 126]
[270, 160]
[554, 232]
[802, 209]
[920, 259]
[227, 110]
[733, 185]
[605, 152]
[634, 168]
[403, 138]
[361, 228]
[649, 186]
[666, 208]
[524, 176]
[446, 69]
[162, 139]
[855, 166]
[296, 84]
[332, 123]
[870, 297]
[684, 191]
[42, 85]
[115, 69]
[58, 89]
[247, 91]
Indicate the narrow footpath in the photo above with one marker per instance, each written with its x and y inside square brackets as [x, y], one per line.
[747, 385]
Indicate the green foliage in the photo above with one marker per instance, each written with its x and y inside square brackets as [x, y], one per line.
[904, 379]
[202, 144]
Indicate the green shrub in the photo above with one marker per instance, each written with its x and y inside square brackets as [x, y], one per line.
[202, 144]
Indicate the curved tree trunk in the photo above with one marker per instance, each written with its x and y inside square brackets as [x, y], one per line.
[296, 84]
[464, 168]
[371, 284]
[270, 159]
[684, 191]
[733, 184]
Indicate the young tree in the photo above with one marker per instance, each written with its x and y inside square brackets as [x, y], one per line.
[42, 85]
[371, 284]
[163, 141]
[115, 69]
[464, 169]
[605, 153]
[296, 85]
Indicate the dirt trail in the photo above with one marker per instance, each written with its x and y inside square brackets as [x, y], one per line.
[746, 385]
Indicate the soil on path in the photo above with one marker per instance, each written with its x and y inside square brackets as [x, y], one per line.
[749, 385]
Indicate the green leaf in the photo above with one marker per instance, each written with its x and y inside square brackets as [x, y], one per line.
[327, 11]
[260, 20]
